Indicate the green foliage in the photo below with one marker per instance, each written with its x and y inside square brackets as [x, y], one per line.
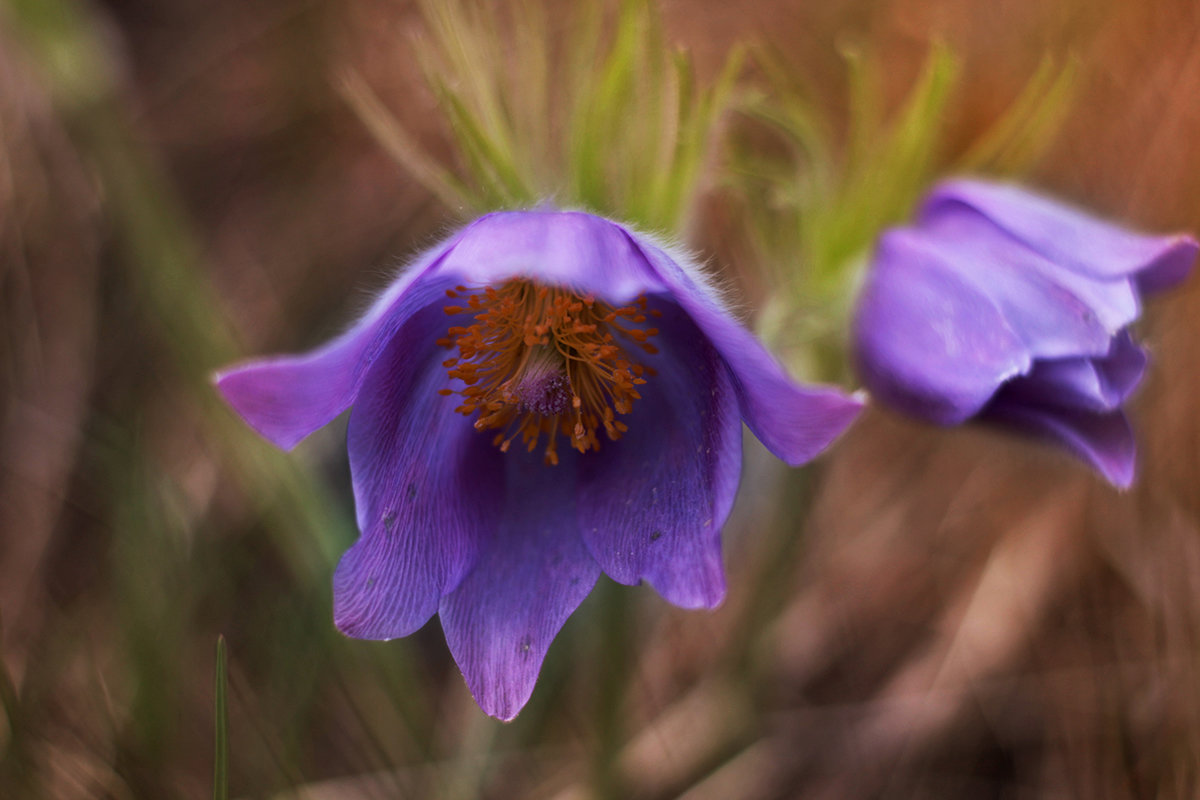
[814, 205]
[616, 124]
[221, 726]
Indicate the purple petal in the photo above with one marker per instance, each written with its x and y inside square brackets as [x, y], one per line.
[286, 398]
[529, 578]
[793, 422]
[427, 487]
[929, 342]
[1103, 440]
[1093, 384]
[1122, 369]
[561, 248]
[1068, 383]
[1066, 235]
[652, 503]
[1056, 311]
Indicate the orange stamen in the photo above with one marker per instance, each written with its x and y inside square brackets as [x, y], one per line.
[544, 360]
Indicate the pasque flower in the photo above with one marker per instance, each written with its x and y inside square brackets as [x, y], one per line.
[1002, 305]
[541, 397]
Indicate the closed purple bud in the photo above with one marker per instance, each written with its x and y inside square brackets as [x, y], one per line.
[1001, 305]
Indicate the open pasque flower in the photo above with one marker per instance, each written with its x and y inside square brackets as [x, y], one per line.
[541, 397]
[1001, 305]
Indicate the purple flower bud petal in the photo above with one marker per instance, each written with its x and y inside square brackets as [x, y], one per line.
[651, 504]
[1055, 311]
[556, 248]
[285, 398]
[929, 342]
[1003, 305]
[1092, 384]
[1122, 369]
[1079, 241]
[533, 573]
[1104, 440]
[412, 463]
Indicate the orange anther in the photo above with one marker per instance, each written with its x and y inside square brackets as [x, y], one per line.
[540, 360]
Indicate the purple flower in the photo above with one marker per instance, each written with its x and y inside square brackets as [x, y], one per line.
[1001, 305]
[541, 397]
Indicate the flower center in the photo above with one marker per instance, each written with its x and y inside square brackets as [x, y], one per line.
[544, 360]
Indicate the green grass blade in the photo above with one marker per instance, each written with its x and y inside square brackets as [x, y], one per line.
[1014, 142]
[221, 726]
[399, 145]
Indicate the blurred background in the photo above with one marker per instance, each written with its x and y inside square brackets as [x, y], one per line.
[923, 613]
